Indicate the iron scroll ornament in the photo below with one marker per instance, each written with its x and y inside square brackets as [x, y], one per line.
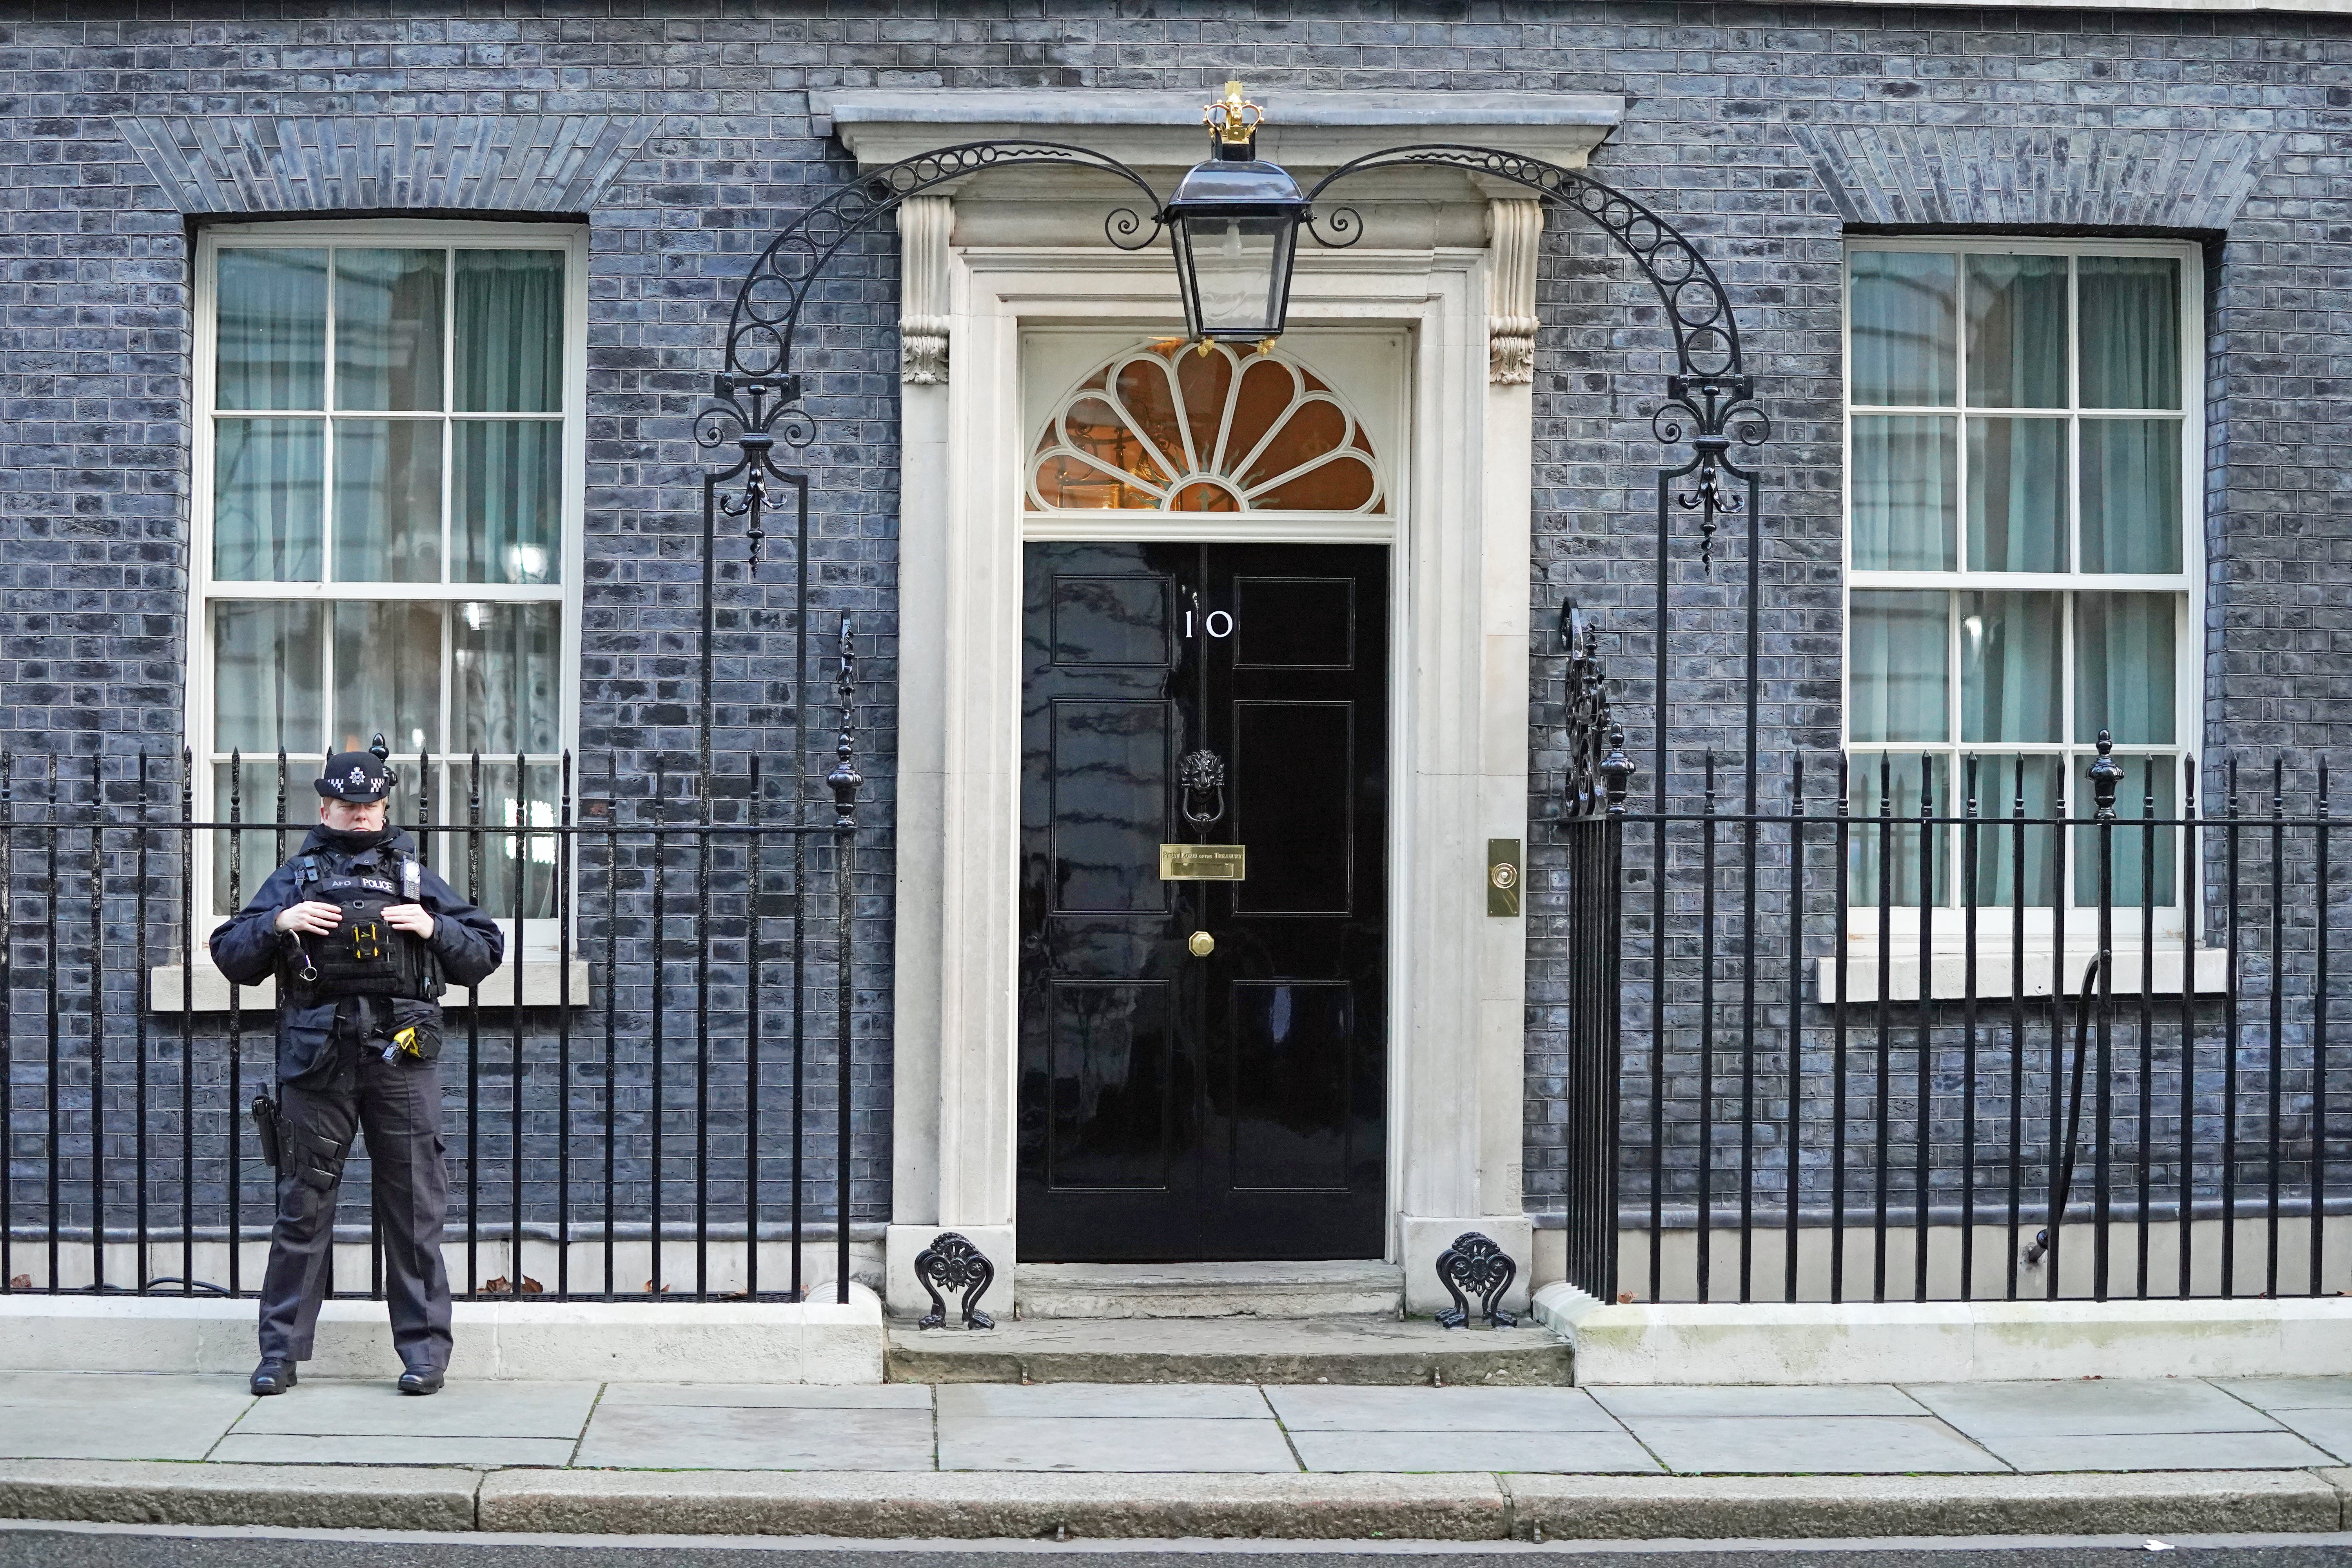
[1710, 399]
[952, 1263]
[1476, 1263]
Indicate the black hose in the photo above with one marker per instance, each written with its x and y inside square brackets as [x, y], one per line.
[2063, 1188]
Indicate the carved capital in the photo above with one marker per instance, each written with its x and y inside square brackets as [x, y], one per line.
[1514, 234]
[924, 222]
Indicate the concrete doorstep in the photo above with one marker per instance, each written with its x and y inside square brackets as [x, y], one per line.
[1470, 1506]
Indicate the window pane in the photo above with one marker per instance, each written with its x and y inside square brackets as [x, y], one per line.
[495, 893]
[388, 329]
[387, 676]
[2009, 667]
[2007, 787]
[1904, 335]
[1899, 669]
[509, 332]
[272, 333]
[2134, 847]
[249, 794]
[388, 500]
[2130, 331]
[1898, 843]
[1906, 493]
[265, 671]
[2017, 495]
[2123, 667]
[2017, 331]
[268, 481]
[509, 500]
[2131, 495]
[504, 684]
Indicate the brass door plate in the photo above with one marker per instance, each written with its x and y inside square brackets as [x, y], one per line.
[1203, 862]
[1503, 876]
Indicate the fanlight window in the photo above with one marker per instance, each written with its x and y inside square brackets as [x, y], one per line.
[1170, 428]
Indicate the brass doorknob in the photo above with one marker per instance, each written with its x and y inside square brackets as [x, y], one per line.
[1200, 944]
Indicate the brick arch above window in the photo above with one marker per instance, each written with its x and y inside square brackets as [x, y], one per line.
[1165, 426]
[404, 163]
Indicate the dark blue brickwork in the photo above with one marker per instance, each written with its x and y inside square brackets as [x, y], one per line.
[1744, 126]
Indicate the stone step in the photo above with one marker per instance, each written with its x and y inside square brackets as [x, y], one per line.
[1360, 1349]
[1255, 1290]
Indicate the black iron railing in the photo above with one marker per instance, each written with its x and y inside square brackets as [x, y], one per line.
[655, 1089]
[1855, 1064]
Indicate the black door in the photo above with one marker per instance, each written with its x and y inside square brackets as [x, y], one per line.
[1177, 1105]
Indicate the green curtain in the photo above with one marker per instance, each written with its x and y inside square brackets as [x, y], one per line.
[509, 332]
[2123, 650]
[272, 329]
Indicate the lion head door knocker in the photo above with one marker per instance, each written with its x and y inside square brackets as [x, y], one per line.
[1199, 773]
[1474, 1262]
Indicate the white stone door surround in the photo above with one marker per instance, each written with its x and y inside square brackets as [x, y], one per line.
[1457, 280]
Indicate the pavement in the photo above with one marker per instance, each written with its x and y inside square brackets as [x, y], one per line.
[1305, 1461]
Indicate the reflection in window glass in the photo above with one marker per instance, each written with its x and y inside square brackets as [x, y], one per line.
[1898, 667]
[387, 501]
[2017, 495]
[2131, 331]
[2017, 331]
[2131, 495]
[1893, 782]
[2123, 668]
[503, 686]
[387, 676]
[507, 501]
[271, 318]
[269, 484]
[1907, 472]
[1904, 340]
[2010, 666]
[509, 332]
[265, 667]
[388, 329]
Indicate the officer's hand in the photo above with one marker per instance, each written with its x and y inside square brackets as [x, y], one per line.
[410, 918]
[310, 917]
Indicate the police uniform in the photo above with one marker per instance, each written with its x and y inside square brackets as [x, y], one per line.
[359, 1033]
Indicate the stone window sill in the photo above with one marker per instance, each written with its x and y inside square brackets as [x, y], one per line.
[541, 987]
[2037, 974]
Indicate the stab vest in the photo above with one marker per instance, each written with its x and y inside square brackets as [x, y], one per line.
[363, 955]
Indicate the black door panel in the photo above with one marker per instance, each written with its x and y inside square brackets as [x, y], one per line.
[1176, 1106]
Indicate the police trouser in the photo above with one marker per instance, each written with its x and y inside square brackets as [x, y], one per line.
[398, 1106]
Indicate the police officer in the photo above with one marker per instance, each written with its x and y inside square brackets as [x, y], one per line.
[361, 936]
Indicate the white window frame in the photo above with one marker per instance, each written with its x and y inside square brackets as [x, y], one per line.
[540, 943]
[2043, 971]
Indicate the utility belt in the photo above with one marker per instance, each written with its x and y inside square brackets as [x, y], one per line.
[363, 955]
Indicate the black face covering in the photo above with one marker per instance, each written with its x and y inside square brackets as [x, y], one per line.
[344, 843]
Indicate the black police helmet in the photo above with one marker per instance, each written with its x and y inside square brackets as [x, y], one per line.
[359, 776]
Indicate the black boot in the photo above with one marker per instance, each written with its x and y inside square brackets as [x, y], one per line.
[421, 1380]
[273, 1375]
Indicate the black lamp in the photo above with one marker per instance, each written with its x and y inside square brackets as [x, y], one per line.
[1235, 226]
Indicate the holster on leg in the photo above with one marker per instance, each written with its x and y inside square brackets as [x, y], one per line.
[313, 1155]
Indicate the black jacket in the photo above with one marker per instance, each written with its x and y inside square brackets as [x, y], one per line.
[467, 945]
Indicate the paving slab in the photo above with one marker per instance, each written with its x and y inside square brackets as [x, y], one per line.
[352, 1408]
[766, 1395]
[2328, 1429]
[1104, 1444]
[2089, 1407]
[1719, 1508]
[762, 1437]
[1309, 1407]
[969, 1507]
[303, 1497]
[1809, 1445]
[1807, 1399]
[480, 1453]
[2289, 1392]
[1560, 1453]
[2160, 1451]
[101, 1415]
[1207, 1401]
